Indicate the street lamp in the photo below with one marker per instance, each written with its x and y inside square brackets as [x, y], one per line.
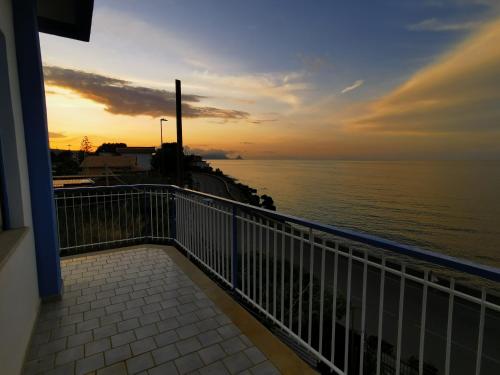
[161, 132]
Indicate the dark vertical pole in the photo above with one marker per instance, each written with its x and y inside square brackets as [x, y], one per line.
[178, 105]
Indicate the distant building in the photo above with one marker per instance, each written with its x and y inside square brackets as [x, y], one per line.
[197, 162]
[142, 154]
[100, 165]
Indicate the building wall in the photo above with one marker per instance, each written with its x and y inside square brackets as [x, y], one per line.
[143, 161]
[19, 297]
[95, 171]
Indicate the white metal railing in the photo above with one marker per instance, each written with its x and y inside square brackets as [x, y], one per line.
[359, 304]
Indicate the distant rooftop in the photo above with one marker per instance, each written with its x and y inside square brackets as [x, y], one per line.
[135, 150]
[59, 183]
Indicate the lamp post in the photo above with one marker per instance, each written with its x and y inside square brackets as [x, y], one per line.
[161, 131]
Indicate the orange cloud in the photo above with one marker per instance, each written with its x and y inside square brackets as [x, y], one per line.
[460, 92]
[122, 97]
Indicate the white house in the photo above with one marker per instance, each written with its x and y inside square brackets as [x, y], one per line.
[143, 155]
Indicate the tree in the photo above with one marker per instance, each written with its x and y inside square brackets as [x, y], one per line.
[85, 146]
[64, 164]
[267, 202]
[110, 147]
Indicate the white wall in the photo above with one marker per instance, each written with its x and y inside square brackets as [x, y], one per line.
[19, 299]
[143, 161]
[19, 303]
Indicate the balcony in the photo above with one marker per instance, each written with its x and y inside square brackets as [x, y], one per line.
[202, 268]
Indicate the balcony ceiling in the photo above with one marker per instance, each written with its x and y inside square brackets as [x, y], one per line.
[67, 18]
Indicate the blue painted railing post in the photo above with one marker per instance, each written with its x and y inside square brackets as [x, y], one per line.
[234, 249]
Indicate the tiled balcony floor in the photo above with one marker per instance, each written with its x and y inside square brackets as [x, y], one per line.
[136, 311]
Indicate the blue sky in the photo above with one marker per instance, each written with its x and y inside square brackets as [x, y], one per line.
[361, 38]
[279, 61]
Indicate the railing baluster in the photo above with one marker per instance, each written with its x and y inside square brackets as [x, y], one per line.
[132, 217]
[400, 318]
[249, 264]
[211, 232]
[322, 294]
[260, 261]
[56, 203]
[348, 312]
[268, 259]
[254, 227]
[275, 267]
[363, 316]
[449, 327]
[105, 212]
[311, 271]
[80, 201]
[124, 208]
[151, 211]
[66, 219]
[157, 213]
[191, 224]
[482, 313]
[228, 254]
[243, 254]
[168, 215]
[74, 219]
[118, 201]
[380, 317]
[184, 218]
[282, 295]
[234, 248]
[113, 232]
[334, 302]
[180, 218]
[162, 194]
[90, 219]
[301, 271]
[219, 240]
[423, 319]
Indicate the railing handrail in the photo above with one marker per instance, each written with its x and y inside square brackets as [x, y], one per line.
[466, 266]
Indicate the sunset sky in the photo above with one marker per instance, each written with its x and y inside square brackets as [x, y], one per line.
[387, 79]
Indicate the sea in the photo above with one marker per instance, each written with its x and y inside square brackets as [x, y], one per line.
[451, 207]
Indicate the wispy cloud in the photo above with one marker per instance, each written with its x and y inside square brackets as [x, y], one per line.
[461, 3]
[283, 87]
[354, 86]
[433, 24]
[261, 121]
[458, 93]
[124, 98]
[196, 63]
[56, 135]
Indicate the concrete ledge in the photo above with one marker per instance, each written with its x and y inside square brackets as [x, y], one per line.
[9, 242]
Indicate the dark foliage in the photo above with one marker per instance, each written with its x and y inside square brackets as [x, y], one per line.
[109, 148]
